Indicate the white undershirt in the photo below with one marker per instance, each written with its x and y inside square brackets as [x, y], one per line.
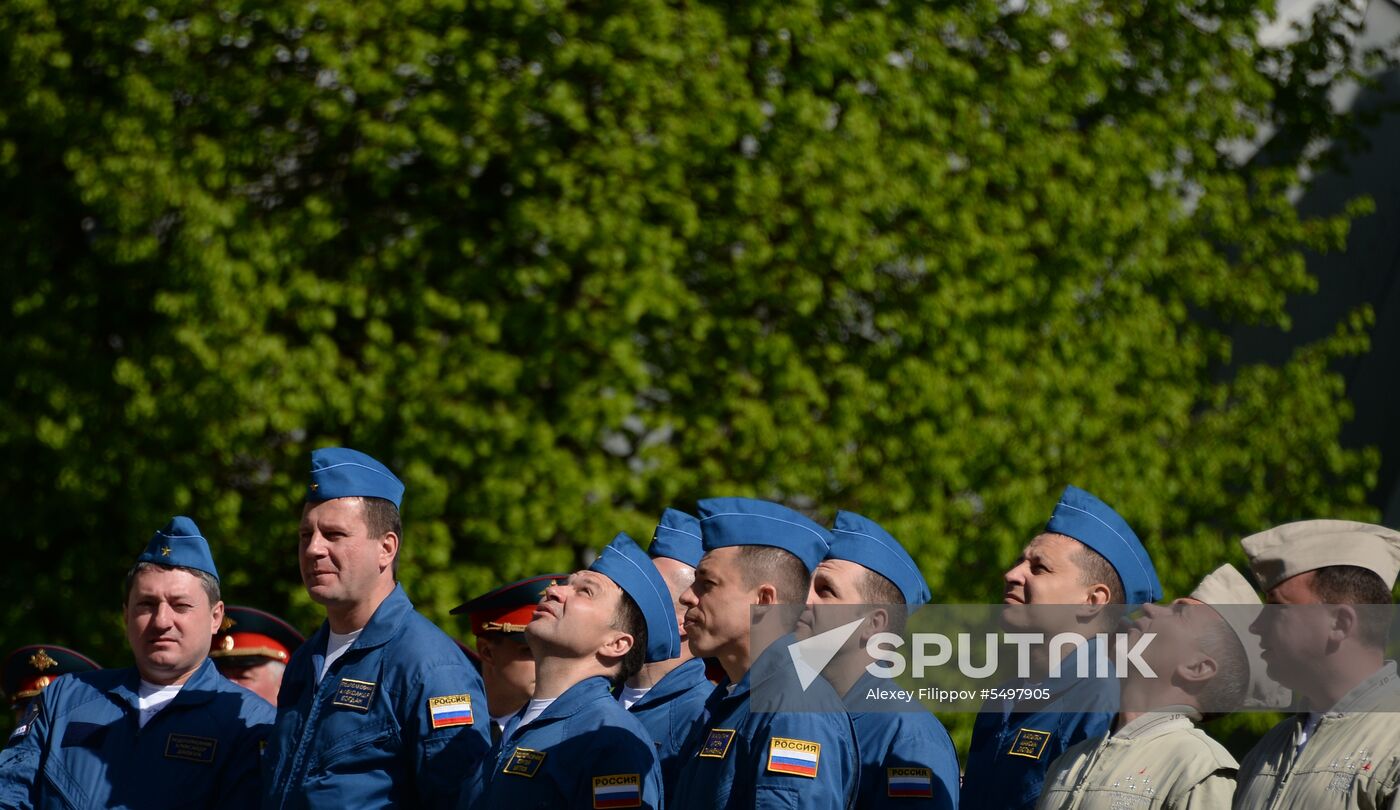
[630, 695]
[152, 697]
[535, 709]
[336, 646]
[501, 721]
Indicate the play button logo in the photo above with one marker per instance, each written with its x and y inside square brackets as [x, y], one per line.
[811, 656]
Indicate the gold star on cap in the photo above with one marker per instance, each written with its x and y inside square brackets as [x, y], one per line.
[41, 661]
[165, 551]
[227, 644]
[315, 486]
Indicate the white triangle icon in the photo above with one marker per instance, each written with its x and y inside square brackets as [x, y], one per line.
[810, 657]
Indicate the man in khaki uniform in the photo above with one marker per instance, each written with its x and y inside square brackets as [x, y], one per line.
[1205, 660]
[1327, 641]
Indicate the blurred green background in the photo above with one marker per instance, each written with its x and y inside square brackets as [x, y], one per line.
[563, 265]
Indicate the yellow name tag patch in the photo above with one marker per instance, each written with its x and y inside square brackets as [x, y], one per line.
[717, 744]
[618, 790]
[191, 748]
[353, 694]
[797, 757]
[1029, 743]
[524, 762]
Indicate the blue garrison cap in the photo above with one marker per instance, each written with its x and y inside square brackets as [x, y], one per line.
[339, 472]
[861, 540]
[180, 544]
[751, 522]
[677, 536]
[624, 562]
[1092, 522]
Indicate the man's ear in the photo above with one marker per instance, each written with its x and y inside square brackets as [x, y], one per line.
[1345, 623]
[1198, 672]
[217, 614]
[876, 621]
[617, 645]
[388, 550]
[766, 594]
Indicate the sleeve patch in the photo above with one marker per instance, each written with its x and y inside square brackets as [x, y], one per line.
[797, 757]
[450, 710]
[911, 783]
[618, 790]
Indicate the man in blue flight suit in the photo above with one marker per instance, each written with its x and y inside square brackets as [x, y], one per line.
[573, 745]
[772, 739]
[1087, 557]
[907, 758]
[668, 697]
[169, 732]
[498, 620]
[378, 707]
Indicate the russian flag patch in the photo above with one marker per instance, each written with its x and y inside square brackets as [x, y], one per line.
[911, 783]
[450, 710]
[797, 757]
[618, 790]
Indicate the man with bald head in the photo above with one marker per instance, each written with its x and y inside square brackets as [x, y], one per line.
[1090, 562]
[1204, 661]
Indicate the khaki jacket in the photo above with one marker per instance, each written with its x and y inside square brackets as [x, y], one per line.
[1159, 760]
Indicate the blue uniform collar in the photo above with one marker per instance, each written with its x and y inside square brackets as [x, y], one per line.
[382, 628]
[586, 691]
[678, 681]
[200, 688]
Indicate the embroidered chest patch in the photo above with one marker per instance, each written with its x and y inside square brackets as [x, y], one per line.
[1346, 769]
[191, 748]
[797, 757]
[450, 710]
[618, 790]
[717, 744]
[911, 783]
[1029, 743]
[353, 694]
[524, 762]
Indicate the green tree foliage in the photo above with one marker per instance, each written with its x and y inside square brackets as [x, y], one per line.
[562, 265]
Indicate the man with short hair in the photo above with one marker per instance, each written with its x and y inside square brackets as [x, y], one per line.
[1205, 662]
[377, 707]
[668, 697]
[769, 742]
[1328, 584]
[252, 650]
[1088, 560]
[907, 759]
[573, 745]
[169, 732]
[498, 620]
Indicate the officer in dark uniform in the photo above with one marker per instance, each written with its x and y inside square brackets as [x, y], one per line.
[378, 707]
[1087, 557]
[170, 732]
[669, 696]
[27, 670]
[772, 739]
[573, 745]
[907, 758]
[252, 650]
[498, 620]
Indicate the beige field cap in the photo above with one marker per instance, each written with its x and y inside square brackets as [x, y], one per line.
[1296, 548]
[1239, 606]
